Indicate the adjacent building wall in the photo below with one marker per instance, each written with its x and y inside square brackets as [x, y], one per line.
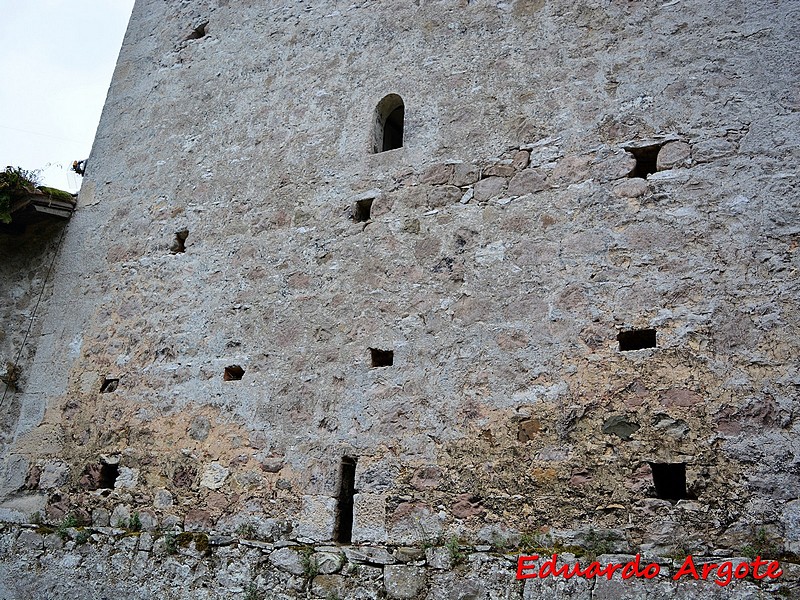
[507, 247]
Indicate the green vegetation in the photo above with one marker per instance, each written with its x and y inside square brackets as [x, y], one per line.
[310, 567]
[170, 543]
[453, 546]
[251, 593]
[246, 531]
[761, 545]
[56, 194]
[67, 523]
[16, 183]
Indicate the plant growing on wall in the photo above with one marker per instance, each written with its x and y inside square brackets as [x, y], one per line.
[14, 183]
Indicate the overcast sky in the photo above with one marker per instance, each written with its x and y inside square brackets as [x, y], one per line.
[56, 62]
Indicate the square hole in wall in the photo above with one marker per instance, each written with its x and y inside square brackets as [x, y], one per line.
[179, 245]
[646, 160]
[669, 480]
[636, 339]
[381, 358]
[109, 385]
[233, 373]
[363, 211]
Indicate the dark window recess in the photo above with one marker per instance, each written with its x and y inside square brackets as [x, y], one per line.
[108, 476]
[198, 32]
[389, 123]
[381, 358]
[343, 532]
[179, 245]
[669, 480]
[646, 158]
[363, 211]
[109, 385]
[393, 130]
[233, 373]
[636, 339]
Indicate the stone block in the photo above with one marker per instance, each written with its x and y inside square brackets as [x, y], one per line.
[317, 518]
[403, 582]
[289, 560]
[527, 181]
[437, 174]
[489, 188]
[369, 518]
[214, 476]
[55, 473]
[673, 154]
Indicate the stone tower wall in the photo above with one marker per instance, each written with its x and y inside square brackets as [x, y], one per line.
[507, 248]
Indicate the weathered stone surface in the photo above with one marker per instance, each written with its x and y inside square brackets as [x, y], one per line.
[54, 474]
[673, 154]
[620, 426]
[427, 478]
[366, 554]
[570, 169]
[467, 505]
[631, 188]
[521, 159]
[437, 174]
[214, 476]
[328, 562]
[369, 518]
[527, 181]
[493, 307]
[288, 559]
[317, 517]
[403, 582]
[489, 188]
[127, 478]
[162, 499]
[465, 174]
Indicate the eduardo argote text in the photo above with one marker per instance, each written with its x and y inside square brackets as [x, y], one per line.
[721, 573]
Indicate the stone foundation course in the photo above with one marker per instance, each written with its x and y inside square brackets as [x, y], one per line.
[38, 562]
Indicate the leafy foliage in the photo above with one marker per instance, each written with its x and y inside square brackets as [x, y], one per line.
[15, 182]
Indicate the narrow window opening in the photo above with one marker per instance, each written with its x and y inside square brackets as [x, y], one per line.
[233, 373]
[646, 158]
[343, 532]
[669, 480]
[109, 385]
[636, 339]
[108, 476]
[179, 245]
[381, 358]
[198, 32]
[389, 124]
[393, 130]
[363, 211]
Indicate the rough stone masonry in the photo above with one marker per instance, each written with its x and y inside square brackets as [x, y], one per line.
[559, 313]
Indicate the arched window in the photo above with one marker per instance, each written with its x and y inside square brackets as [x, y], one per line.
[388, 131]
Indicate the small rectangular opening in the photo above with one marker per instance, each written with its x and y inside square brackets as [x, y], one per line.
[343, 532]
[381, 358]
[179, 245]
[109, 385]
[233, 373]
[669, 480]
[108, 476]
[646, 160]
[363, 211]
[636, 339]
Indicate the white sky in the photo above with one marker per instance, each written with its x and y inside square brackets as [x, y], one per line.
[56, 62]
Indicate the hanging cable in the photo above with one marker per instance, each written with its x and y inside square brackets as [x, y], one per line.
[35, 309]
